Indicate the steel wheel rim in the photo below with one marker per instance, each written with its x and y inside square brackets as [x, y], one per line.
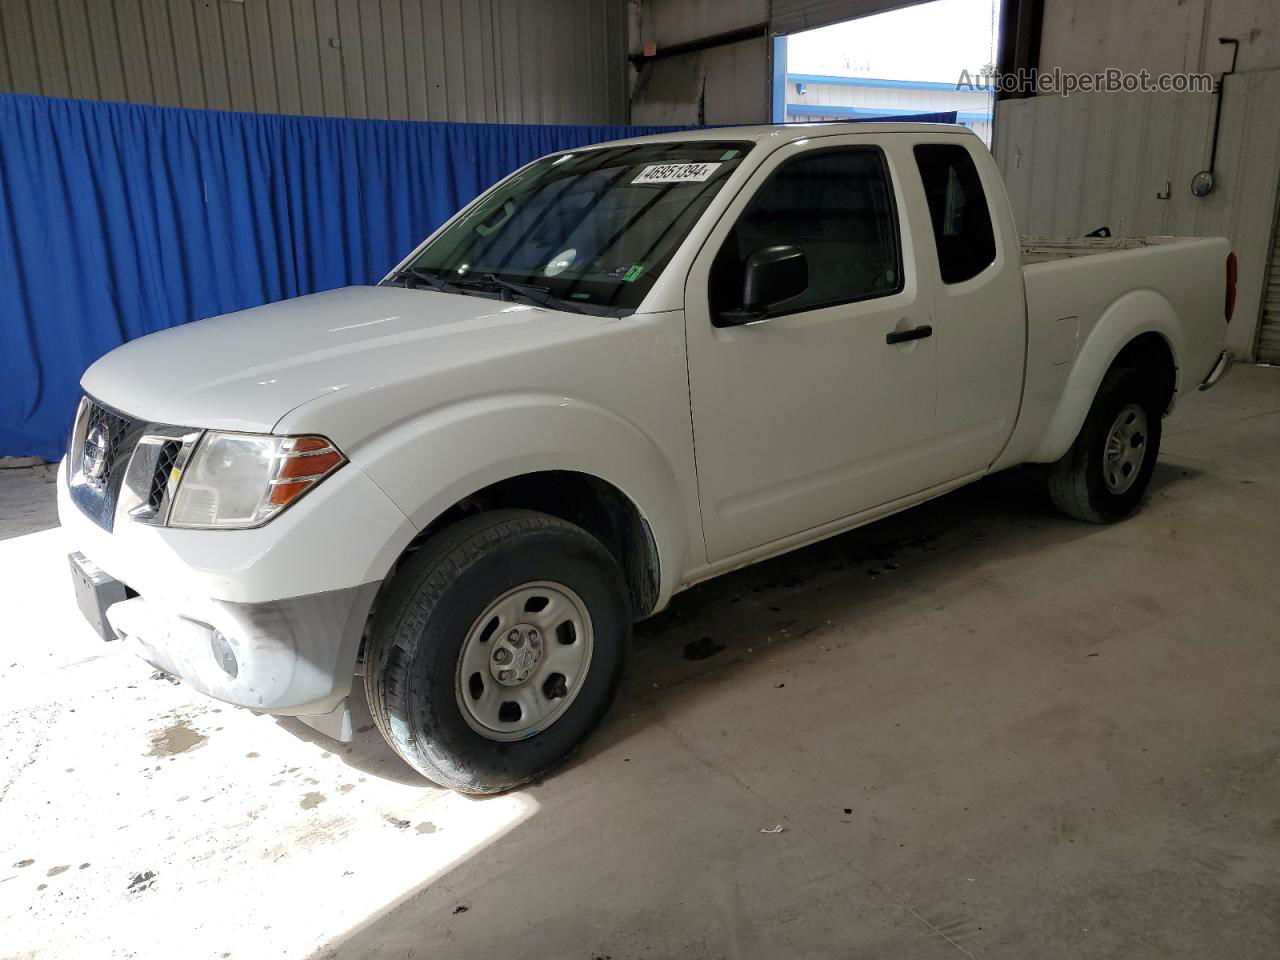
[1125, 449]
[524, 660]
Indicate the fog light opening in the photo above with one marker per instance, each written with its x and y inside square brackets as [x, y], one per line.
[223, 654]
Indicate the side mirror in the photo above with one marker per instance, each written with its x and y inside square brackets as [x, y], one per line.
[771, 275]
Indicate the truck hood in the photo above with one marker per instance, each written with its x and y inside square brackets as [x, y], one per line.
[246, 370]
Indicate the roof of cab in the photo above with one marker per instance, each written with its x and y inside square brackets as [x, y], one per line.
[781, 133]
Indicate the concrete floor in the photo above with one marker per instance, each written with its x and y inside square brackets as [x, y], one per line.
[983, 731]
[27, 500]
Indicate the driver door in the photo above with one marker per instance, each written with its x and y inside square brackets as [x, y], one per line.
[810, 415]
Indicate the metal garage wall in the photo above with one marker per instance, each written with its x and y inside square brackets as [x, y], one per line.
[1269, 328]
[1159, 35]
[507, 61]
[725, 85]
[793, 16]
[668, 22]
[1074, 164]
[727, 79]
[725, 82]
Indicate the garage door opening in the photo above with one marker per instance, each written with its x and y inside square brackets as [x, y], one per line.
[901, 62]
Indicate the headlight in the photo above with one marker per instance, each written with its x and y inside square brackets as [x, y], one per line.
[244, 479]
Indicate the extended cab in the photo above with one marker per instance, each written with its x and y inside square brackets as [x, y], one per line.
[624, 369]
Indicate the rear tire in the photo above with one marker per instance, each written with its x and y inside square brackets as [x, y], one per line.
[497, 649]
[1103, 476]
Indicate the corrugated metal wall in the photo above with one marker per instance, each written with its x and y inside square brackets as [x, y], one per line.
[793, 16]
[1269, 328]
[724, 84]
[513, 61]
[1077, 163]
[1084, 36]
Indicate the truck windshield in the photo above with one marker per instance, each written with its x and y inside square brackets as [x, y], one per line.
[588, 230]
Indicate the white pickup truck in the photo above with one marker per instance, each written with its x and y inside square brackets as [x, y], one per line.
[623, 370]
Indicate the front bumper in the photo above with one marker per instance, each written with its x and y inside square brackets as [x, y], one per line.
[268, 618]
[290, 656]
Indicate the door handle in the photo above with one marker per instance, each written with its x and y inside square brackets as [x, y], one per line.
[915, 333]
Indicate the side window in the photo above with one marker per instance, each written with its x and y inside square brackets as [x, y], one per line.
[958, 208]
[837, 207]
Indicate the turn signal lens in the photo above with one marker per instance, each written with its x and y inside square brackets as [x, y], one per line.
[296, 466]
[301, 463]
[285, 493]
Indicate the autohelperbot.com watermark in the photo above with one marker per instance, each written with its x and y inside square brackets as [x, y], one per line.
[1064, 83]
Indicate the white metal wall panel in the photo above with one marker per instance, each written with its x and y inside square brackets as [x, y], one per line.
[723, 85]
[737, 83]
[1074, 164]
[1174, 36]
[515, 61]
[793, 16]
[668, 22]
[1269, 329]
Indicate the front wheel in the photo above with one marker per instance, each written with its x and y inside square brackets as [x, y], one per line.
[1106, 471]
[497, 649]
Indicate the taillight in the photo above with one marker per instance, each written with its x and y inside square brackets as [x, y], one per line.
[1230, 306]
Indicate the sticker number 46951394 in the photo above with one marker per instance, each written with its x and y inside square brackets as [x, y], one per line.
[676, 173]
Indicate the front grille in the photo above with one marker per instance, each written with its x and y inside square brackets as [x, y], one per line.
[99, 457]
[111, 426]
[165, 462]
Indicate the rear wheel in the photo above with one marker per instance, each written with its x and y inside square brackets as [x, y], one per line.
[497, 649]
[1106, 471]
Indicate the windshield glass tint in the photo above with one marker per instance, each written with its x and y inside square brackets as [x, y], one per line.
[593, 228]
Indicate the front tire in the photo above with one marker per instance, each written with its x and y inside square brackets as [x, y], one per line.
[497, 649]
[1103, 476]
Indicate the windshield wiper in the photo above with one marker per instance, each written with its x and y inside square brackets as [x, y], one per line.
[411, 276]
[537, 294]
[427, 277]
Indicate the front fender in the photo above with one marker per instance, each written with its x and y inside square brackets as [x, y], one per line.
[428, 464]
[1128, 317]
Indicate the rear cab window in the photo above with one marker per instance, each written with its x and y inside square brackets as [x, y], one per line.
[958, 208]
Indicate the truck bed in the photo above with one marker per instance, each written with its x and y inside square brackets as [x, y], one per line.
[1043, 249]
[1082, 294]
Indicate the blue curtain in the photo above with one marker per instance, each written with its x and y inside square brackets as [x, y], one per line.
[118, 220]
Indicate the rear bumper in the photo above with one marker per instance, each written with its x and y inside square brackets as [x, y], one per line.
[1225, 359]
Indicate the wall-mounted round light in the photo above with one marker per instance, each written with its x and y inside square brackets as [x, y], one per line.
[1202, 183]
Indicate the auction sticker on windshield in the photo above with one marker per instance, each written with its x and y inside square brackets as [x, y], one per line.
[676, 173]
